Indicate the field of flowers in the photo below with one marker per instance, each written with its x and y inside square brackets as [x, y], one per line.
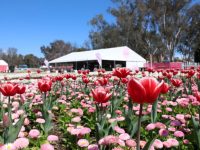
[118, 110]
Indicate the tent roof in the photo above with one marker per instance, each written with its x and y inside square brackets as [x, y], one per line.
[123, 53]
[2, 62]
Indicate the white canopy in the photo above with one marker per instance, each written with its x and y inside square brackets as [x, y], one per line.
[3, 63]
[123, 53]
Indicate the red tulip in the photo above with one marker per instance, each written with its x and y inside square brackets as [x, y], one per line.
[28, 77]
[38, 71]
[121, 72]
[73, 77]
[124, 80]
[5, 78]
[176, 82]
[85, 80]
[101, 95]
[197, 95]
[175, 72]
[85, 72]
[169, 76]
[8, 89]
[44, 85]
[190, 73]
[28, 71]
[164, 73]
[103, 81]
[67, 76]
[59, 78]
[150, 70]
[198, 75]
[21, 89]
[103, 70]
[79, 71]
[165, 88]
[145, 90]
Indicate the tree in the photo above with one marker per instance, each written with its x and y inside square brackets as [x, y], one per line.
[194, 31]
[31, 61]
[171, 23]
[56, 49]
[14, 59]
[150, 27]
[11, 56]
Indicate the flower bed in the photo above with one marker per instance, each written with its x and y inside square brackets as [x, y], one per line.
[117, 110]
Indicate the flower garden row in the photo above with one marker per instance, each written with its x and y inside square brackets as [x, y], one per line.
[122, 110]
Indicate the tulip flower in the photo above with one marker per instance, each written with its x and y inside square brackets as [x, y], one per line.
[8, 89]
[21, 89]
[79, 71]
[176, 82]
[191, 73]
[197, 95]
[44, 85]
[121, 72]
[59, 78]
[145, 90]
[38, 71]
[103, 81]
[165, 88]
[101, 95]
[73, 77]
[67, 76]
[85, 80]
[28, 71]
[124, 80]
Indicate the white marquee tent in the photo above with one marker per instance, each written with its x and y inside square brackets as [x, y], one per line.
[124, 53]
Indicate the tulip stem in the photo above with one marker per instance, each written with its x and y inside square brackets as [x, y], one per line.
[139, 125]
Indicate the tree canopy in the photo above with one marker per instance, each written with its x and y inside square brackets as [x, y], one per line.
[59, 48]
[149, 27]
[14, 59]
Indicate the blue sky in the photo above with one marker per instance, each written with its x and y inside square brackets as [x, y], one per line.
[29, 24]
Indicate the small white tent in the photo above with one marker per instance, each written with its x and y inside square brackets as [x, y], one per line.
[3, 66]
[117, 54]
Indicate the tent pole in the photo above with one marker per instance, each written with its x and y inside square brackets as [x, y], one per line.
[87, 64]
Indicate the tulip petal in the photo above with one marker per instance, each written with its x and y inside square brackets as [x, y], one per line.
[136, 91]
[157, 90]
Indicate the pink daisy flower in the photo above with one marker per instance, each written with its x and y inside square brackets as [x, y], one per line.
[21, 143]
[34, 133]
[46, 147]
[83, 143]
[52, 138]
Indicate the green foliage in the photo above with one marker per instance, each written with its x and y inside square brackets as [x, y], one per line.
[196, 131]
[154, 112]
[157, 28]
[11, 133]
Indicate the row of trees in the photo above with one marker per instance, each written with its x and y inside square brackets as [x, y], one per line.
[14, 59]
[59, 48]
[151, 27]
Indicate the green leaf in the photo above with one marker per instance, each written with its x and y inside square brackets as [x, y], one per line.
[196, 131]
[134, 124]
[149, 144]
[154, 112]
[1, 140]
[14, 130]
